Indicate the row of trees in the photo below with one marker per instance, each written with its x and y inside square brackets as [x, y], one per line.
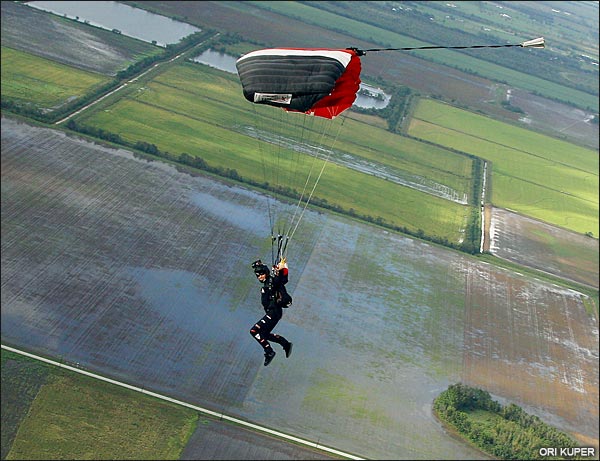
[394, 113]
[507, 432]
[199, 163]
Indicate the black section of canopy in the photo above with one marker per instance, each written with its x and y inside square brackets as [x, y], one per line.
[307, 78]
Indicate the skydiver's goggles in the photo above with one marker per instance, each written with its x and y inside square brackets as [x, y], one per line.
[260, 268]
[256, 264]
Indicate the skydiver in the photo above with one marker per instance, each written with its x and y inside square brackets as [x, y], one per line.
[274, 298]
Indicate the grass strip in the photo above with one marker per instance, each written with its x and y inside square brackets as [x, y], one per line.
[78, 417]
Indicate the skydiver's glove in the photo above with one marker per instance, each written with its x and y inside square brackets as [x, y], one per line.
[282, 264]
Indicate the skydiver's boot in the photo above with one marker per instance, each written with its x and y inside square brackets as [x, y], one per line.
[269, 354]
[287, 347]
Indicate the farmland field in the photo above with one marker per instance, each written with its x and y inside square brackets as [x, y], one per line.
[415, 70]
[67, 42]
[141, 273]
[369, 32]
[123, 422]
[81, 416]
[536, 244]
[21, 383]
[47, 84]
[538, 176]
[194, 109]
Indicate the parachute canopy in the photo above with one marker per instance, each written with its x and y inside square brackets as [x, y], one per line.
[321, 82]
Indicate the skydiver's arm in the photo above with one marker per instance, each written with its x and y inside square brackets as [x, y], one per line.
[281, 277]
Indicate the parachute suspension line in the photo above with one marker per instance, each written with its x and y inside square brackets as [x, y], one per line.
[291, 235]
[285, 78]
[277, 172]
[263, 160]
[280, 179]
[277, 158]
[307, 136]
[298, 124]
[289, 160]
[276, 255]
[315, 158]
[308, 126]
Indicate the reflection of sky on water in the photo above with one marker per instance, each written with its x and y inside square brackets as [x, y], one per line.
[251, 219]
[176, 294]
[217, 60]
[369, 102]
[189, 300]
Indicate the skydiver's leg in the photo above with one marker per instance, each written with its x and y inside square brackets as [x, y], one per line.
[274, 337]
[287, 346]
[261, 331]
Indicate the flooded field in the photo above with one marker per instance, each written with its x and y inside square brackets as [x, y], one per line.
[142, 273]
[544, 247]
[134, 22]
[557, 119]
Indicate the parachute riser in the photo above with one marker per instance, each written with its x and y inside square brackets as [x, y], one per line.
[282, 242]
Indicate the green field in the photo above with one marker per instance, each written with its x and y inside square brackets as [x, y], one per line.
[71, 416]
[200, 111]
[533, 174]
[30, 79]
[21, 382]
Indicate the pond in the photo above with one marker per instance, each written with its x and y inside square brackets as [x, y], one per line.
[133, 22]
[218, 60]
[370, 97]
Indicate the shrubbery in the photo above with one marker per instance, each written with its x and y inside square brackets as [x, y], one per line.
[508, 433]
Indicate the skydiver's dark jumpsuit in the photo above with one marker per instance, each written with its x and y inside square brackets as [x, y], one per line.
[261, 331]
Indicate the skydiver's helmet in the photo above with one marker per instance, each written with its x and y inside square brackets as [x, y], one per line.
[260, 268]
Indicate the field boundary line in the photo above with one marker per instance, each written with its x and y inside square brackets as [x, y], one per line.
[215, 414]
